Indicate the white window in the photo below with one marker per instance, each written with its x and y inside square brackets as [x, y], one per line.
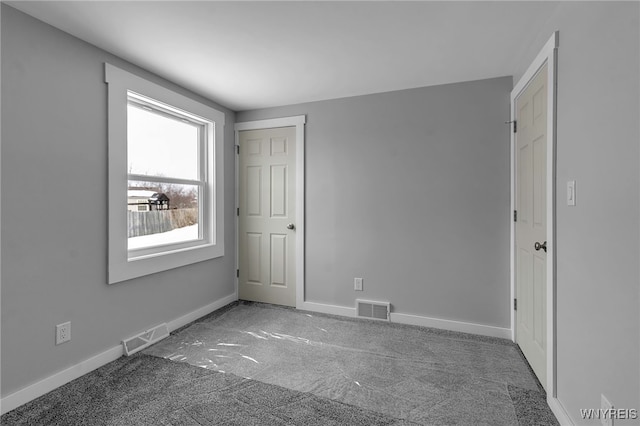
[165, 149]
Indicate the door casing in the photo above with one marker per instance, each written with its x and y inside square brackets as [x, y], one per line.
[298, 122]
[548, 55]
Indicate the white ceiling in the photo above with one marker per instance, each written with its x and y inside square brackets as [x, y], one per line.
[248, 55]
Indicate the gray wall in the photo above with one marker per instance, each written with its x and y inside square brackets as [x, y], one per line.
[410, 190]
[54, 217]
[597, 240]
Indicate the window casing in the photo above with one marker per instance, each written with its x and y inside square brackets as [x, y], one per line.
[134, 103]
[193, 174]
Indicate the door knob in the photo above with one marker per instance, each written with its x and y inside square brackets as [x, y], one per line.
[291, 226]
[539, 246]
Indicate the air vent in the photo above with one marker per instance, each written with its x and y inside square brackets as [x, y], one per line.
[145, 339]
[373, 310]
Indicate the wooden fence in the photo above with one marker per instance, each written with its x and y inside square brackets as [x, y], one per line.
[156, 221]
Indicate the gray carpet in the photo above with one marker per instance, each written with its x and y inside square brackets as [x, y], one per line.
[147, 390]
[427, 376]
[260, 364]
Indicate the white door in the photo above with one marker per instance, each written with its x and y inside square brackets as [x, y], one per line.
[266, 237]
[531, 223]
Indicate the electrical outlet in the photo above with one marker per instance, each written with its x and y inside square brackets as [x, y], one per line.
[606, 413]
[63, 332]
[357, 284]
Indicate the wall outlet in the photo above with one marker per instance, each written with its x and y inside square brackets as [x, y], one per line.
[63, 332]
[606, 413]
[357, 284]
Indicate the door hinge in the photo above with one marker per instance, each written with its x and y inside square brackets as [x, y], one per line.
[515, 215]
[238, 149]
[238, 211]
[515, 304]
[237, 273]
[515, 125]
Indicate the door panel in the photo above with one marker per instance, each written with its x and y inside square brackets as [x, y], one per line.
[540, 184]
[267, 207]
[539, 301]
[254, 257]
[531, 226]
[278, 260]
[279, 191]
[253, 191]
[524, 183]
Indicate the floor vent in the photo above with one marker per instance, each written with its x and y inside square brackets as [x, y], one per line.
[373, 310]
[145, 339]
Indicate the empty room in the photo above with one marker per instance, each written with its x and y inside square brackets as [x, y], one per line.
[314, 212]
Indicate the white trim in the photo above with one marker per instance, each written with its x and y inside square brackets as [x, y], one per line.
[31, 392]
[460, 326]
[322, 308]
[299, 122]
[0, 209]
[40, 388]
[272, 123]
[559, 411]
[463, 327]
[548, 55]
[122, 263]
[236, 218]
[200, 312]
[547, 52]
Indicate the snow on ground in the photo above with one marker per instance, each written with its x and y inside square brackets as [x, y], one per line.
[179, 235]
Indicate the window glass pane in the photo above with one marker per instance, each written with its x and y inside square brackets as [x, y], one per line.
[161, 213]
[161, 145]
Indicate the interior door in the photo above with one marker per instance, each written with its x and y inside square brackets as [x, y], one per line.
[266, 237]
[531, 223]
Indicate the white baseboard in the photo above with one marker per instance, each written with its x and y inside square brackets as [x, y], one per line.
[464, 327]
[199, 313]
[35, 390]
[328, 309]
[558, 410]
[31, 392]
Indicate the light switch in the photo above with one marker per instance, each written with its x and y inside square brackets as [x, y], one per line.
[571, 193]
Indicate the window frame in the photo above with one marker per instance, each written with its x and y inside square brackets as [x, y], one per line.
[204, 134]
[125, 264]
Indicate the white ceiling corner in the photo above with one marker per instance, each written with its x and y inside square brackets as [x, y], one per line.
[248, 55]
